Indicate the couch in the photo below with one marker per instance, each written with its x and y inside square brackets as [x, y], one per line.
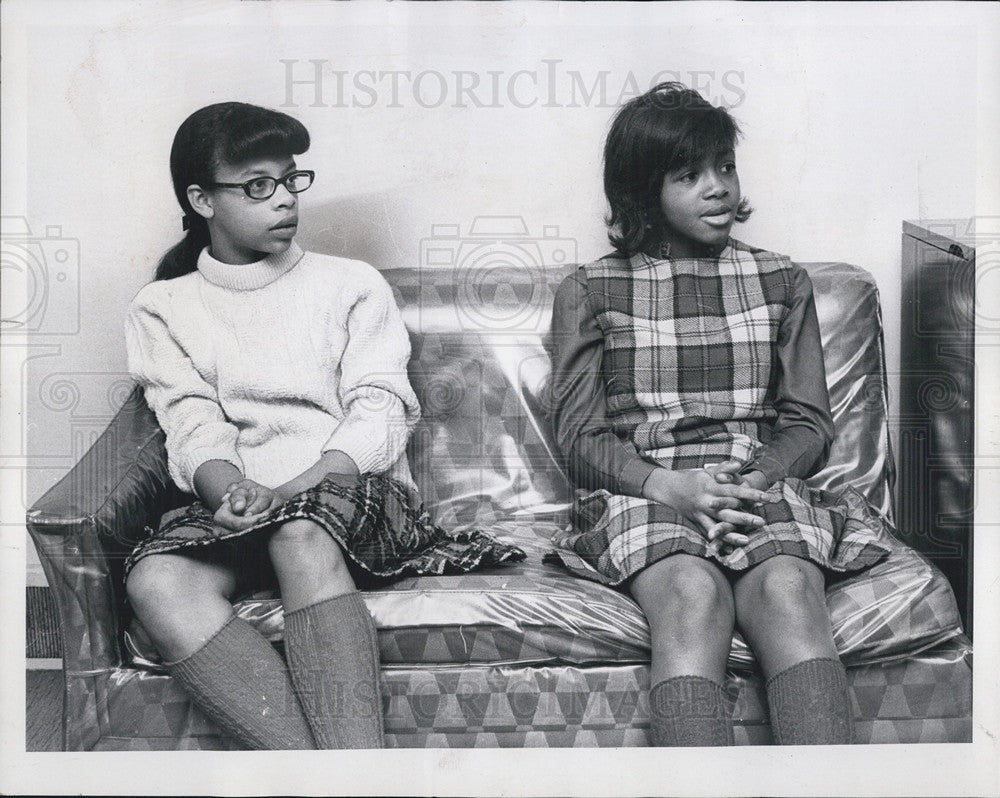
[524, 654]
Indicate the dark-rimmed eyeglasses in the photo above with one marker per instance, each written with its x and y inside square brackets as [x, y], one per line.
[262, 188]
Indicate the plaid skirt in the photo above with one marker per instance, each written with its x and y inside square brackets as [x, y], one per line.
[381, 526]
[615, 537]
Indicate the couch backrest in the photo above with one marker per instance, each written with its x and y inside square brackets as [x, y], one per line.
[480, 367]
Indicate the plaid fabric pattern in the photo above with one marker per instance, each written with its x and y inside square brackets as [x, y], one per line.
[689, 371]
[621, 535]
[374, 518]
[687, 350]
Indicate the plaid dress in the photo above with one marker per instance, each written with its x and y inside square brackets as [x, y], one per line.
[690, 378]
[378, 522]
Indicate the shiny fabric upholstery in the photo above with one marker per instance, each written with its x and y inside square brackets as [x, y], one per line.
[531, 613]
[483, 454]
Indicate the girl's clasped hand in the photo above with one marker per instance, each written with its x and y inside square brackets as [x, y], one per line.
[716, 499]
[244, 504]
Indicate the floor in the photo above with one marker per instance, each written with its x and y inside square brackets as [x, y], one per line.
[44, 710]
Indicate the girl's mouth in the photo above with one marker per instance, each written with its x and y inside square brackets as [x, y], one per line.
[719, 218]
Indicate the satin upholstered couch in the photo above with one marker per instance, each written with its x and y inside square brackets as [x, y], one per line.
[522, 655]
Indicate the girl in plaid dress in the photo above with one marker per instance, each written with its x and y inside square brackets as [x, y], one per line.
[693, 403]
[279, 378]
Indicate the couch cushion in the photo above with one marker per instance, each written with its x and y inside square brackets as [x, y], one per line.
[532, 613]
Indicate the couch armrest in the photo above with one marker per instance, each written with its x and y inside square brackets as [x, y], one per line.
[850, 322]
[86, 524]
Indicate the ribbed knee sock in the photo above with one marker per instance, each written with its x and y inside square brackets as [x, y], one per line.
[689, 711]
[332, 654]
[242, 683]
[810, 704]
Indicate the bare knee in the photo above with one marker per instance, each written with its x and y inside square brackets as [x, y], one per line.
[690, 595]
[789, 588]
[694, 587]
[300, 542]
[159, 586]
[181, 602]
[782, 611]
[152, 581]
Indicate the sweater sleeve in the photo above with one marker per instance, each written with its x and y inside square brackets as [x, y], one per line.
[186, 406]
[379, 405]
[803, 431]
[595, 456]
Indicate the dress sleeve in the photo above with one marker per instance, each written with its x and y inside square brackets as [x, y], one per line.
[803, 431]
[379, 404]
[595, 456]
[186, 406]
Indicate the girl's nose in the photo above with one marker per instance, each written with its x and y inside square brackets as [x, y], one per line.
[716, 185]
[283, 197]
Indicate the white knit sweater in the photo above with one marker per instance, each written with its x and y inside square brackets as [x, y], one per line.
[269, 364]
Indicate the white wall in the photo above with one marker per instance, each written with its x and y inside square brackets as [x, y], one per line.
[855, 119]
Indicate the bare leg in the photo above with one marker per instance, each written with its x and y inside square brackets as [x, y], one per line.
[781, 609]
[309, 564]
[330, 638]
[180, 601]
[230, 670]
[689, 606]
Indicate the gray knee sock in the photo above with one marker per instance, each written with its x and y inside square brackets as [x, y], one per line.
[242, 683]
[810, 704]
[690, 711]
[332, 653]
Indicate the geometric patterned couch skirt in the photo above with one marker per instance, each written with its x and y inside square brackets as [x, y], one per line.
[526, 655]
[926, 698]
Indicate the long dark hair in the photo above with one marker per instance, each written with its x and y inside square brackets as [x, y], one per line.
[225, 132]
[668, 127]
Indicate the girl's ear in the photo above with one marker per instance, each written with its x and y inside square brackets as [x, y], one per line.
[200, 201]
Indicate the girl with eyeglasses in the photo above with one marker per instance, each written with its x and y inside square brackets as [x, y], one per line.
[279, 377]
[692, 405]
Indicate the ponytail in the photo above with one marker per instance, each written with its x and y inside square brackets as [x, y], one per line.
[182, 258]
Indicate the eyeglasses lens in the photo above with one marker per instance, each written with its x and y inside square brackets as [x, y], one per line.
[261, 188]
[298, 181]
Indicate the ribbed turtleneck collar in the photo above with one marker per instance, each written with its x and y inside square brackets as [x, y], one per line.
[248, 276]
